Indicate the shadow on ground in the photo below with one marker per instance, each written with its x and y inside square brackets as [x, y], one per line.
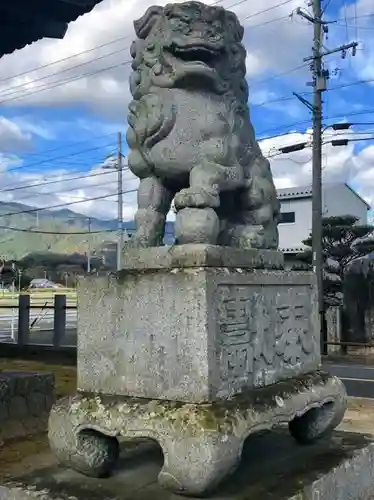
[273, 467]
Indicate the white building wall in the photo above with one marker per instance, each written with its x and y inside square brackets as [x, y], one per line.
[337, 199]
[340, 200]
[293, 233]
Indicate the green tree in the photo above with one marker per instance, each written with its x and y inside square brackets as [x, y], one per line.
[343, 240]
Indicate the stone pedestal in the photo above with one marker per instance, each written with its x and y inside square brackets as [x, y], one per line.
[195, 347]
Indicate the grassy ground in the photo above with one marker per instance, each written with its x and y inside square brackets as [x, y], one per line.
[19, 456]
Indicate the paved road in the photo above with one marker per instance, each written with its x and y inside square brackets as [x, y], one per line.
[358, 379]
[45, 337]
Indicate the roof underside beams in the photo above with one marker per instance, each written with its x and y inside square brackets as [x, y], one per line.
[25, 21]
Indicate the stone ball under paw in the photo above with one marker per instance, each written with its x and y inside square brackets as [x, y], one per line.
[196, 225]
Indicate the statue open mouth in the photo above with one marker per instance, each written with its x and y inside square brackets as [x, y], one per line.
[196, 54]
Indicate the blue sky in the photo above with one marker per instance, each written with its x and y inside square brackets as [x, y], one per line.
[51, 127]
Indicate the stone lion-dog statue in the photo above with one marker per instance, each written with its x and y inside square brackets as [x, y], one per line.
[190, 135]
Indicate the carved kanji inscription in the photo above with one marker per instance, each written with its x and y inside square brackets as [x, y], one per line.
[262, 335]
[293, 339]
[235, 333]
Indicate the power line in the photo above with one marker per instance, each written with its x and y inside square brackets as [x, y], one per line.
[65, 146]
[271, 21]
[70, 233]
[57, 181]
[291, 98]
[285, 2]
[287, 72]
[64, 82]
[65, 70]
[354, 26]
[41, 162]
[61, 193]
[337, 141]
[62, 205]
[303, 122]
[37, 68]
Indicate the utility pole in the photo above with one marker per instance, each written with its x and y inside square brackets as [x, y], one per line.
[319, 83]
[89, 246]
[120, 202]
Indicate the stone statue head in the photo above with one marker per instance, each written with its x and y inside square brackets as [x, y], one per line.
[180, 42]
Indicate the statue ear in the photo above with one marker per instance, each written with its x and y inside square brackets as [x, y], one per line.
[144, 25]
[236, 27]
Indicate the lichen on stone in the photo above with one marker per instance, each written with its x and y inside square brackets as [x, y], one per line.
[247, 410]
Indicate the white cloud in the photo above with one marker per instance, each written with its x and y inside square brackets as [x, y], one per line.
[12, 137]
[339, 163]
[107, 91]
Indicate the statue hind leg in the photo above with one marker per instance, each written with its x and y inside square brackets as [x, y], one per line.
[256, 229]
[255, 222]
[154, 202]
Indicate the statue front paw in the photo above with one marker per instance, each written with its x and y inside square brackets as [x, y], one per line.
[196, 198]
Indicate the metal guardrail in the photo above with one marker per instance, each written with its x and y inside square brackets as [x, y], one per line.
[25, 306]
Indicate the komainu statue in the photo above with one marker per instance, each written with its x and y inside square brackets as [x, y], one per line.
[190, 133]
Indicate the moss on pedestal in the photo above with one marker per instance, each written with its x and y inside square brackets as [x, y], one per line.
[230, 416]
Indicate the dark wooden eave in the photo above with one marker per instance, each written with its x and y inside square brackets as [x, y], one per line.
[25, 21]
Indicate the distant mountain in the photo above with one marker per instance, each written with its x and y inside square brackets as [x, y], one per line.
[17, 242]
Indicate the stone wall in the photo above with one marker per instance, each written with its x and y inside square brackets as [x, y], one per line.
[25, 403]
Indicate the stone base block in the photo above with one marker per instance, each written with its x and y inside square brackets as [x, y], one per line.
[195, 334]
[200, 255]
[202, 443]
[25, 402]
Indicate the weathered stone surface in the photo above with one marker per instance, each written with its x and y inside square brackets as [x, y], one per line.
[201, 443]
[18, 407]
[25, 401]
[190, 134]
[193, 255]
[4, 410]
[37, 403]
[195, 334]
